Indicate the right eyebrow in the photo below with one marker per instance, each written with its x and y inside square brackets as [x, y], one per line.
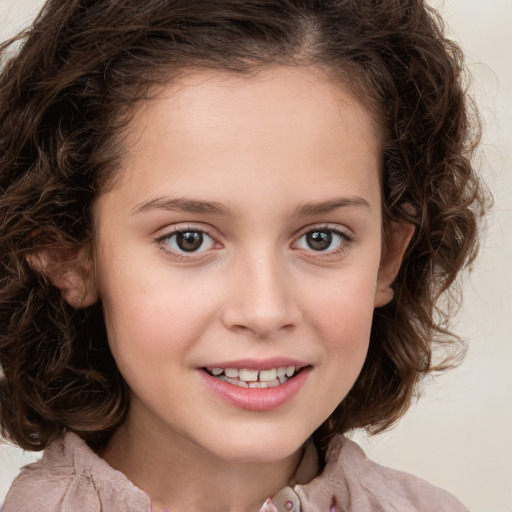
[323, 207]
[181, 204]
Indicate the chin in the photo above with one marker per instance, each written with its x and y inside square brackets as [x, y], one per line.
[259, 449]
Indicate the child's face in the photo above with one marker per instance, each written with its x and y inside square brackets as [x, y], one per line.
[245, 233]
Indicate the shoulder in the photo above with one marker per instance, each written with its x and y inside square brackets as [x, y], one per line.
[354, 482]
[70, 477]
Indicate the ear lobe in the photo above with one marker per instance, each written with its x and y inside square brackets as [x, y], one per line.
[72, 275]
[400, 235]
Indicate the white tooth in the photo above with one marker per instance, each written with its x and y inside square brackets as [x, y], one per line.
[290, 371]
[231, 372]
[268, 375]
[281, 372]
[217, 371]
[238, 383]
[248, 375]
[282, 380]
[259, 384]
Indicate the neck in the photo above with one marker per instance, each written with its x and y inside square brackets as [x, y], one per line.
[179, 475]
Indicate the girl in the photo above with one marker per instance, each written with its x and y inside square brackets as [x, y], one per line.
[225, 230]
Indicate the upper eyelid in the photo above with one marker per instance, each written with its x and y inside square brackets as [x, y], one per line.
[170, 234]
[344, 231]
[167, 232]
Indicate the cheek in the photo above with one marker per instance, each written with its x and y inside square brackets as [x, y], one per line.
[345, 334]
[339, 317]
[343, 306]
[341, 314]
[150, 313]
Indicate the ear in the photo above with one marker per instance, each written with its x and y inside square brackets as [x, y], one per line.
[71, 273]
[398, 237]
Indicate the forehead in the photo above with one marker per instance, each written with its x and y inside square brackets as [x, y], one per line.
[281, 124]
[293, 94]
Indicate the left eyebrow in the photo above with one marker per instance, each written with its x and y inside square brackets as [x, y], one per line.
[322, 207]
[182, 205]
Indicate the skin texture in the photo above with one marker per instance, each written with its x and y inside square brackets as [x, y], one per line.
[264, 150]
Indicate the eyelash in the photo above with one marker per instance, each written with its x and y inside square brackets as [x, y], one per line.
[343, 244]
[163, 242]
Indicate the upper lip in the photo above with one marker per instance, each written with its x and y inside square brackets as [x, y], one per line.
[258, 364]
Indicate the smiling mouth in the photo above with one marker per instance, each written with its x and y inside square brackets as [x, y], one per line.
[253, 378]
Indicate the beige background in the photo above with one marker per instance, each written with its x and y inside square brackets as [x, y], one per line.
[459, 435]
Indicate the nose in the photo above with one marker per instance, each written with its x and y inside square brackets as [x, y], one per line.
[262, 301]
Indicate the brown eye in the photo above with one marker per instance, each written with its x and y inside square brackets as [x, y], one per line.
[319, 240]
[326, 240]
[189, 241]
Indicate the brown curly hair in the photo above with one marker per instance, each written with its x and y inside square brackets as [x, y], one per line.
[66, 95]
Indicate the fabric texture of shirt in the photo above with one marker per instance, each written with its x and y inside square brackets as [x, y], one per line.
[70, 477]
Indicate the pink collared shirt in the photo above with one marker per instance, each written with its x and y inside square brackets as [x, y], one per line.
[70, 477]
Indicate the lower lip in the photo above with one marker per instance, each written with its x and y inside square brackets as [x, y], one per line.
[256, 399]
